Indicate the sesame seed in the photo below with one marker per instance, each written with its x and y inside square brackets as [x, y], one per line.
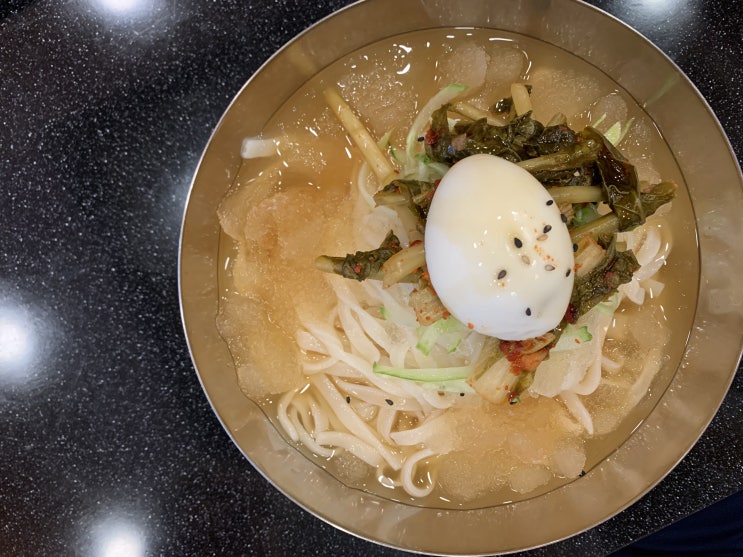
[575, 248]
[502, 274]
[550, 202]
[528, 311]
[547, 228]
[549, 267]
[388, 401]
[525, 259]
[542, 237]
[564, 218]
[461, 394]
[348, 399]
[568, 273]
[517, 242]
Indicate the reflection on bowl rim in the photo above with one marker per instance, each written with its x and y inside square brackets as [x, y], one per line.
[715, 340]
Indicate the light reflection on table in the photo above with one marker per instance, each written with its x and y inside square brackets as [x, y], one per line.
[115, 537]
[19, 342]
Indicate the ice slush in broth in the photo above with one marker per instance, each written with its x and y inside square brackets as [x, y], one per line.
[395, 390]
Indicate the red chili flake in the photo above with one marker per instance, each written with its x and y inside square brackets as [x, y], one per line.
[470, 326]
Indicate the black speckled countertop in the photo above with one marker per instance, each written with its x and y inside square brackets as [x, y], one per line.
[109, 446]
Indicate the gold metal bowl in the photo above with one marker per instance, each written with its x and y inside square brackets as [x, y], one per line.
[683, 408]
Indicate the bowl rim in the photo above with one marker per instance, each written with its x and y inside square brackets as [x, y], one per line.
[334, 504]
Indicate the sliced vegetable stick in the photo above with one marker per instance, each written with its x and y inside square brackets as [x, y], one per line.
[403, 263]
[608, 224]
[382, 168]
[576, 194]
[470, 111]
[521, 99]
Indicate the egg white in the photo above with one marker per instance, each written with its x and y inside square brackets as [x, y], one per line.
[498, 253]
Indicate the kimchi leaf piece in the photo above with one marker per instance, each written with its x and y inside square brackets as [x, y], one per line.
[619, 180]
[438, 137]
[660, 194]
[573, 157]
[415, 194]
[553, 139]
[616, 269]
[427, 305]
[448, 145]
[362, 264]
[581, 176]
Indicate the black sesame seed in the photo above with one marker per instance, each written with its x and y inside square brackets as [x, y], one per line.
[564, 218]
[575, 248]
[502, 274]
[517, 242]
[461, 394]
[549, 267]
[528, 311]
[547, 228]
[388, 401]
[550, 202]
[582, 473]
[348, 399]
[568, 273]
[421, 138]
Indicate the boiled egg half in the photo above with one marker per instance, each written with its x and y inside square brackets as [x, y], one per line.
[498, 253]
